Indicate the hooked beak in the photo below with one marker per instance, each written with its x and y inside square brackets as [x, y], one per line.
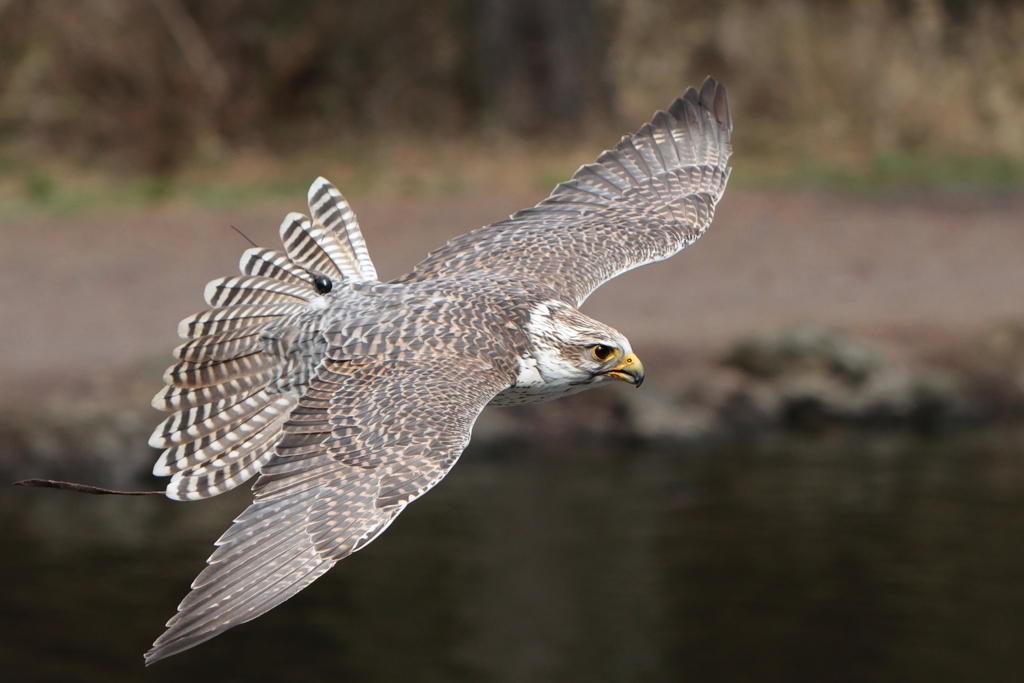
[630, 369]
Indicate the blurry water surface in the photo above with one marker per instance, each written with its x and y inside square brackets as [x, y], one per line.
[834, 557]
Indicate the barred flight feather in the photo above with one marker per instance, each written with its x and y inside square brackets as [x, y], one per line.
[304, 413]
[330, 210]
[612, 168]
[267, 537]
[190, 424]
[302, 445]
[311, 475]
[555, 243]
[219, 320]
[223, 346]
[261, 592]
[314, 248]
[175, 398]
[248, 289]
[256, 429]
[290, 466]
[369, 536]
[258, 590]
[252, 524]
[664, 143]
[273, 264]
[188, 375]
[308, 426]
[221, 474]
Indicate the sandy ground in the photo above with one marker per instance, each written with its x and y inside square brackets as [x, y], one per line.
[80, 296]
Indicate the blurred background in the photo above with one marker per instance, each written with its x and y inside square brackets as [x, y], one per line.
[822, 478]
[153, 87]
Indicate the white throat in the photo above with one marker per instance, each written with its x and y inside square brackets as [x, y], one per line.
[544, 373]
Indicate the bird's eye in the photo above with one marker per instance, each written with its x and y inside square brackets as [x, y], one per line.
[601, 352]
[323, 284]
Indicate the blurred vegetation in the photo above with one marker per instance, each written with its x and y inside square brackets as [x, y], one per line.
[843, 81]
[864, 93]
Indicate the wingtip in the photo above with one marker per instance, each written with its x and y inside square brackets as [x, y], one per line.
[707, 89]
[158, 652]
[714, 96]
[170, 643]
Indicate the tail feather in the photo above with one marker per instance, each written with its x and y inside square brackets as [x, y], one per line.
[174, 398]
[223, 346]
[234, 387]
[272, 264]
[225, 472]
[234, 290]
[193, 423]
[247, 434]
[187, 375]
[312, 247]
[330, 210]
[218, 320]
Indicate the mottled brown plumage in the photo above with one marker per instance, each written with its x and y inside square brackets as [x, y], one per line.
[351, 397]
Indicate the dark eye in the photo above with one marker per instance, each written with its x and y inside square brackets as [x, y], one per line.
[602, 352]
[323, 284]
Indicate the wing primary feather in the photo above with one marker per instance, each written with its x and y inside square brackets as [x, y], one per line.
[178, 638]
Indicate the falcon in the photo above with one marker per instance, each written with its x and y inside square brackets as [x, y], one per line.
[351, 397]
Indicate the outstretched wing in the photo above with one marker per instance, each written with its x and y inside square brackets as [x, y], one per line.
[230, 393]
[642, 202]
[365, 440]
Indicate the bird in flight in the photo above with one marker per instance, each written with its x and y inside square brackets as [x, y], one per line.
[351, 397]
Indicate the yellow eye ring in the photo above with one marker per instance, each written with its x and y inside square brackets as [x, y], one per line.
[601, 353]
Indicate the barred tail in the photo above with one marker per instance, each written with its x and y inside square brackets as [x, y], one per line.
[230, 393]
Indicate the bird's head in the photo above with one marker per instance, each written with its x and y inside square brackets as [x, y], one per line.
[572, 349]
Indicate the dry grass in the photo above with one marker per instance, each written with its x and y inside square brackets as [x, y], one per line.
[843, 82]
[154, 84]
[886, 90]
[383, 168]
